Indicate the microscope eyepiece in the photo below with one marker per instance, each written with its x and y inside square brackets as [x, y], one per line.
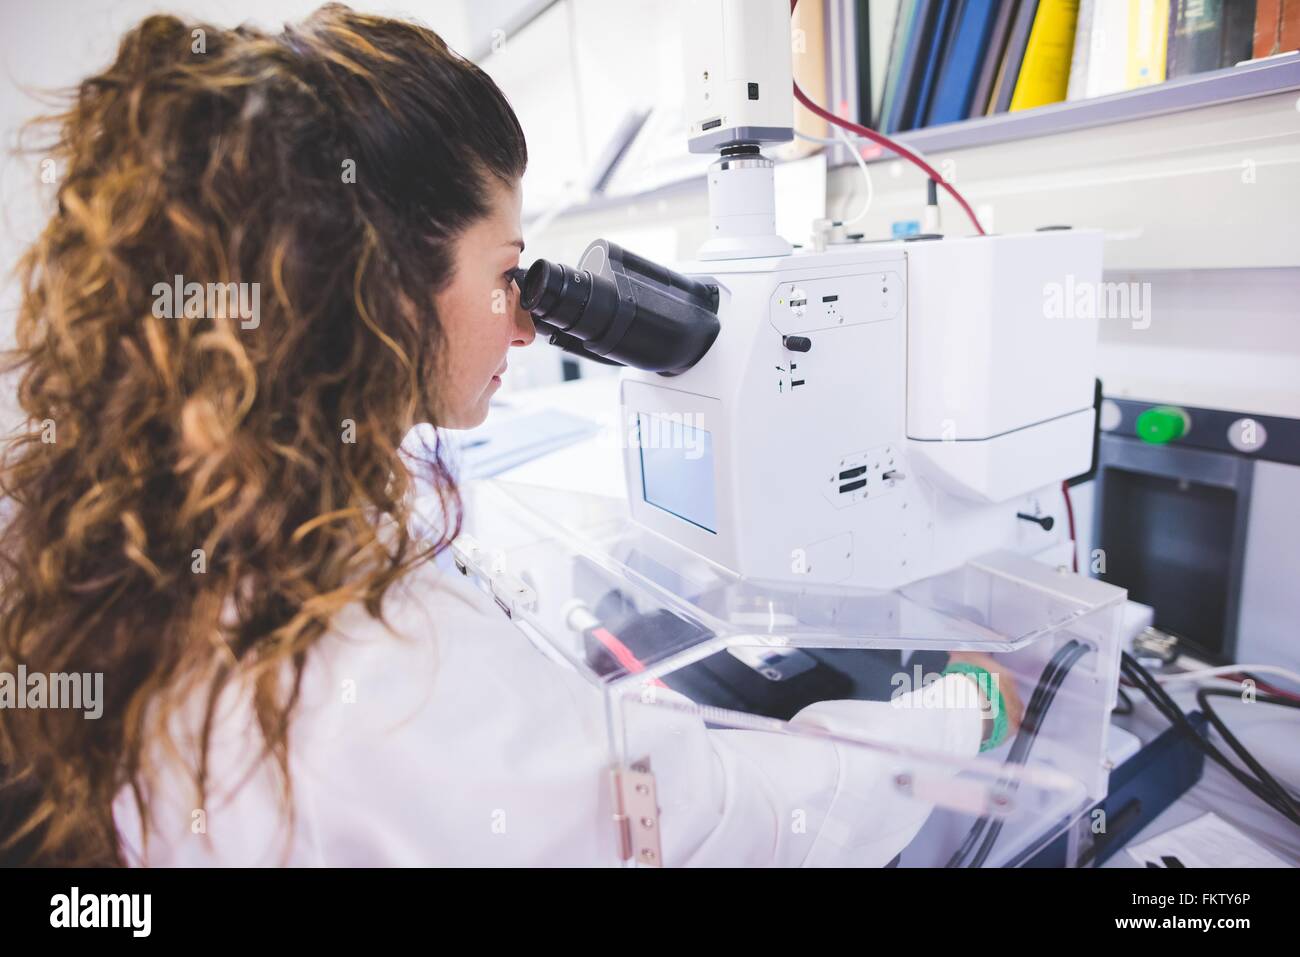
[558, 293]
[535, 285]
[616, 307]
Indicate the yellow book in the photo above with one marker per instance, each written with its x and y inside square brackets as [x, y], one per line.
[1045, 72]
[1148, 35]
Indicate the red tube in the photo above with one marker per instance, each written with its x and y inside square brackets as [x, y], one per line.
[889, 144]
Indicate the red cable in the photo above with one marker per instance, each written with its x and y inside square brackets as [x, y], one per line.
[888, 143]
[1069, 511]
[1263, 686]
[622, 653]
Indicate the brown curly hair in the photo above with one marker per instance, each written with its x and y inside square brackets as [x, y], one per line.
[223, 156]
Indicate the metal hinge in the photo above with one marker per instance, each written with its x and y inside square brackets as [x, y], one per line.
[636, 813]
[512, 594]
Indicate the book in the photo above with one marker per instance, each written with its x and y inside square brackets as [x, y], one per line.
[933, 50]
[1148, 37]
[992, 57]
[1081, 59]
[1208, 35]
[1045, 73]
[1238, 32]
[846, 73]
[881, 17]
[1013, 56]
[972, 27]
[1119, 45]
[911, 67]
[862, 46]
[902, 29]
[1194, 28]
[811, 73]
[1277, 27]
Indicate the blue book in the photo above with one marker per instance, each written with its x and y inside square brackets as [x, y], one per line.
[932, 46]
[971, 34]
[903, 96]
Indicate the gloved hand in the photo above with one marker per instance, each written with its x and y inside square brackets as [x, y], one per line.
[1006, 684]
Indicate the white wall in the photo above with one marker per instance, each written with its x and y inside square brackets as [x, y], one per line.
[53, 44]
[572, 75]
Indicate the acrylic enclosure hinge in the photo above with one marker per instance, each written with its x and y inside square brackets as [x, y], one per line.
[511, 594]
[636, 814]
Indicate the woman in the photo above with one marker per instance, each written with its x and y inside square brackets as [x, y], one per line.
[272, 255]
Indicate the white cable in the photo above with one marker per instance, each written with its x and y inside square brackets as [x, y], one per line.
[846, 139]
[866, 175]
[1201, 673]
[828, 140]
[832, 141]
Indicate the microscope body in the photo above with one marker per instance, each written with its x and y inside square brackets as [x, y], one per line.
[868, 414]
[835, 459]
[875, 413]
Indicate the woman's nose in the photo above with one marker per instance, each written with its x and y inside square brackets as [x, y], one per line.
[525, 331]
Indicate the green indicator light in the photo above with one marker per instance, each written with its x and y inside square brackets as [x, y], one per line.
[1161, 424]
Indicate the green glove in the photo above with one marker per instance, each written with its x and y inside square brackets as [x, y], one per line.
[985, 683]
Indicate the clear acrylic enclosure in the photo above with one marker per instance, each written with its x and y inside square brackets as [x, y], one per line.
[764, 723]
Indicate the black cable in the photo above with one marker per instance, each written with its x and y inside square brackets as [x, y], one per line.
[1148, 685]
[1143, 679]
[1267, 686]
[1068, 661]
[1128, 704]
[1203, 699]
[978, 830]
[1044, 691]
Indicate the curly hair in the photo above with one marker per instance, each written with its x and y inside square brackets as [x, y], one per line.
[196, 497]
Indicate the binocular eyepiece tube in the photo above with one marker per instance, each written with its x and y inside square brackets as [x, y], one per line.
[618, 308]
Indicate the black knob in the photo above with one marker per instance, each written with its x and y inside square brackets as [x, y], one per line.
[1044, 520]
[796, 343]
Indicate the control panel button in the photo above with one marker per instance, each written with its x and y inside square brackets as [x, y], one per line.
[1162, 424]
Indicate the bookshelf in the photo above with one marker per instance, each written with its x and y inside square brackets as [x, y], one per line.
[1158, 167]
[1247, 80]
[911, 66]
[1201, 171]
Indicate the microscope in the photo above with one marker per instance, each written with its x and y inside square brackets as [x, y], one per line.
[869, 414]
[840, 460]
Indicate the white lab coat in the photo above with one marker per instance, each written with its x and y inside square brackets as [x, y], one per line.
[456, 742]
